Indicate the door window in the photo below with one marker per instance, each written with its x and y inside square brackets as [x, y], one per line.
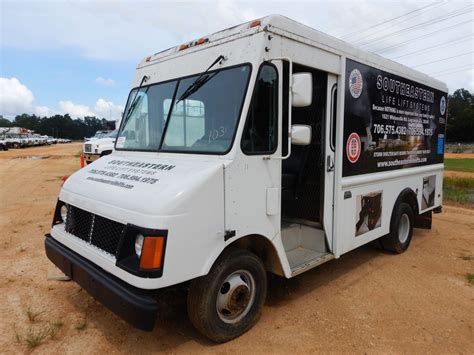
[260, 134]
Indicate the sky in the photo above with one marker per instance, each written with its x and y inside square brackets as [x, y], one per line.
[79, 57]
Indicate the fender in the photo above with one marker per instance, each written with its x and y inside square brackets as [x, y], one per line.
[271, 254]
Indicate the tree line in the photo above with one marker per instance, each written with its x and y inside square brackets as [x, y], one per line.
[60, 126]
[460, 127]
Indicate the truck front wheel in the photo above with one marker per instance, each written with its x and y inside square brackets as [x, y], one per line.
[227, 302]
[401, 229]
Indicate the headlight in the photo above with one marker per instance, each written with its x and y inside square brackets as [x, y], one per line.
[63, 212]
[139, 244]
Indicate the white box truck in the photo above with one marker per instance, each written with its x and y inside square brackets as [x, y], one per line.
[94, 148]
[268, 147]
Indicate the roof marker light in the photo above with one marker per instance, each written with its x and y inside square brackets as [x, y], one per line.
[202, 41]
[183, 46]
[255, 23]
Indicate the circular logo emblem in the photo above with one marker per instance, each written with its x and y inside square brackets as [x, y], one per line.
[353, 147]
[442, 105]
[355, 83]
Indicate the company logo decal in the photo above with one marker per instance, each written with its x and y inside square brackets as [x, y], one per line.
[442, 105]
[128, 173]
[353, 147]
[355, 83]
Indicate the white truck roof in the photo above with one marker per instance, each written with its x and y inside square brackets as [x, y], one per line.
[294, 30]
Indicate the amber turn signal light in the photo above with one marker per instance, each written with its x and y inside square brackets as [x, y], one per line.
[152, 253]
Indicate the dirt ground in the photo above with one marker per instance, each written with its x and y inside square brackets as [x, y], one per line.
[459, 155]
[461, 174]
[365, 302]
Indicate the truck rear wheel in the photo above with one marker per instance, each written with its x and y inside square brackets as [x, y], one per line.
[227, 302]
[401, 229]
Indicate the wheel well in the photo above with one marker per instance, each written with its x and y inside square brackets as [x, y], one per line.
[408, 196]
[263, 248]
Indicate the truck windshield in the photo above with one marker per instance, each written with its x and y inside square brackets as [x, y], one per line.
[203, 122]
[112, 134]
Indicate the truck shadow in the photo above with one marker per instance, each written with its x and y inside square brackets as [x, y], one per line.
[282, 290]
[173, 328]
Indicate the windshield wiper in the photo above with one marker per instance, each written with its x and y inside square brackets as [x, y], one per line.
[200, 81]
[135, 101]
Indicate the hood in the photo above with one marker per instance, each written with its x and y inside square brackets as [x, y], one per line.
[101, 141]
[152, 186]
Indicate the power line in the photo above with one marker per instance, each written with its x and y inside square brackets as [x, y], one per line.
[443, 59]
[450, 42]
[459, 12]
[448, 16]
[391, 20]
[420, 37]
[454, 72]
[417, 26]
[391, 27]
[466, 66]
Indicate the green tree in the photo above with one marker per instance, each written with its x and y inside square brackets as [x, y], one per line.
[460, 127]
[4, 122]
[60, 125]
[27, 121]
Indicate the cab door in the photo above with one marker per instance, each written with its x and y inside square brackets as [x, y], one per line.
[329, 163]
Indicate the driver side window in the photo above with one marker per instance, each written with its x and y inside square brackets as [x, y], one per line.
[260, 135]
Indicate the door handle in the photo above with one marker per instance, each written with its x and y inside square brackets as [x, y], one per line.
[329, 164]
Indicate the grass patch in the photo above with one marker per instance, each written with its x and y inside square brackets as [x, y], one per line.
[57, 324]
[54, 328]
[470, 278]
[33, 338]
[467, 257]
[33, 316]
[464, 164]
[18, 336]
[459, 189]
[82, 326]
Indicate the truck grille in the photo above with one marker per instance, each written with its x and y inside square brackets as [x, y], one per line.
[95, 230]
[87, 148]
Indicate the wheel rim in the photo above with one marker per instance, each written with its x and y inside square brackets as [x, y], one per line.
[404, 228]
[235, 296]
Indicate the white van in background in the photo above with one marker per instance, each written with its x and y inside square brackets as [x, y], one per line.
[94, 148]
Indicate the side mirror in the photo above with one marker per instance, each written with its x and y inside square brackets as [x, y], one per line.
[300, 134]
[302, 90]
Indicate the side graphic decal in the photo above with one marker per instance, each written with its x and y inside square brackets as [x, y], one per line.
[368, 212]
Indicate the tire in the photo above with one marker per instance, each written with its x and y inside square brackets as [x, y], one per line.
[228, 301]
[401, 229]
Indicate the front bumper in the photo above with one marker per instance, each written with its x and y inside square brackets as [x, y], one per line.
[91, 157]
[137, 307]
